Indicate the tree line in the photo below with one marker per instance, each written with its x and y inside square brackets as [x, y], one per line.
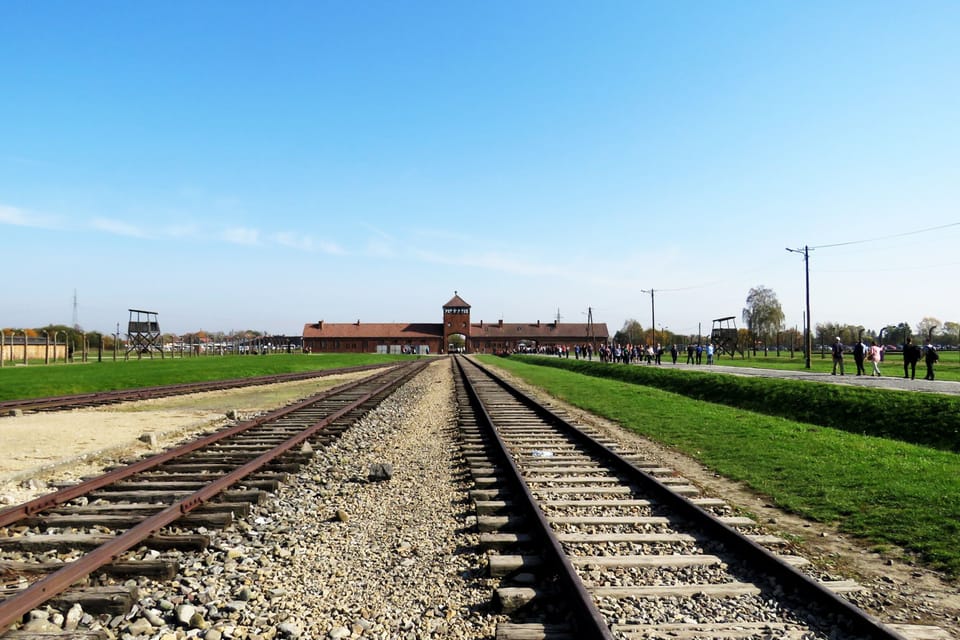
[763, 317]
[764, 329]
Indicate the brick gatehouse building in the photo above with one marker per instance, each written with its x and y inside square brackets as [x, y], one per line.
[456, 329]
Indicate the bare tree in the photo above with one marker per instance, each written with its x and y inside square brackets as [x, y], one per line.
[925, 327]
[631, 333]
[950, 333]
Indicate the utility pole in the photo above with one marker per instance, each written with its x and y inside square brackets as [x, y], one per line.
[590, 326]
[653, 317]
[806, 332]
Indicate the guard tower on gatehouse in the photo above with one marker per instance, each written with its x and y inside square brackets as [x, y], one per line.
[143, 333]
[456, 322]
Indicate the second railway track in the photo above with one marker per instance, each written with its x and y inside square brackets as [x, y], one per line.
[100, 398]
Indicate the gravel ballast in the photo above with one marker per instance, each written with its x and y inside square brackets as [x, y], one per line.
[338, 553]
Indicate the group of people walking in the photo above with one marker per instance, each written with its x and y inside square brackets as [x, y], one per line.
[653, 354]
[874, 354]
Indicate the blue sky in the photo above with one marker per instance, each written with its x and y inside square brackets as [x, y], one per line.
[253, 165]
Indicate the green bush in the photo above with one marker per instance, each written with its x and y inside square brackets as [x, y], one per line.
[919, 418]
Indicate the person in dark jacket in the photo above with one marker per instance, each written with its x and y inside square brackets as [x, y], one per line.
[859, 351]
[930, 356]
[911, 356]
[837, 351]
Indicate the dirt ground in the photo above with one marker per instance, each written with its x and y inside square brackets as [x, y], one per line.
[44, 449]
[40, 450]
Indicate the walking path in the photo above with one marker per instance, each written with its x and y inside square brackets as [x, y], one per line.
[892, 376]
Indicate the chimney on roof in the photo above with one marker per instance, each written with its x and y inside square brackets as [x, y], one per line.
[538, 323]
[500, 323]
[320, 325]
[481, 323]
[358, 322]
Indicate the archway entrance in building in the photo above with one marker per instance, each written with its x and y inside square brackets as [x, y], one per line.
[456, 343]
[527, 346]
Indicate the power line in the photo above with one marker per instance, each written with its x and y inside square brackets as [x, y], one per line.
[807, 342]
[897, 235]
[891, 269]
[805, 252]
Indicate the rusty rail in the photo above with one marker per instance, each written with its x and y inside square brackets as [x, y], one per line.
[46, 588]
[161, 391]
[13, 514]
[758, 557]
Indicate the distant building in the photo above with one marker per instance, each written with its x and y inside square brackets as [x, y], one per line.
[456, 329]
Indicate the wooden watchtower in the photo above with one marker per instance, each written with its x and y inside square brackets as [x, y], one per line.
[143, 333]
[724, 334]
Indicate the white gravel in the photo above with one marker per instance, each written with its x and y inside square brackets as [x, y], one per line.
[335, 555]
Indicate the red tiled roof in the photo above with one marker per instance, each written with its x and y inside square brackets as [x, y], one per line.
[457, 301]
[538, 331]
[399, 330]
[412, 331]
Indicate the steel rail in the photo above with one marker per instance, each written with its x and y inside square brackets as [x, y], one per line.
[591, 623]
[807, 588]
[48, 587]
[142, 393]
[13, 514]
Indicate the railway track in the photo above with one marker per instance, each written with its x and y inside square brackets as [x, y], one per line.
[591, 544]
[164, 502]
[99, 398]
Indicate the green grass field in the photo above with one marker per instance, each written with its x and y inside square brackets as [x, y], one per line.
[885, 492]
[35, 381]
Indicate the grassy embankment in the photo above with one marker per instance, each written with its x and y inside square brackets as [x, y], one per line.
[884, 491]
[948, 368]
[40, 381]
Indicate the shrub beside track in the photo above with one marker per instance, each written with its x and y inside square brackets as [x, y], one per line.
[919, 418]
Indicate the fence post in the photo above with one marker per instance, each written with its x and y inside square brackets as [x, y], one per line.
[24, 347]
[46, 352]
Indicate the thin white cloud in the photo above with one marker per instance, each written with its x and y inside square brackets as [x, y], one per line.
[332, 248]
[377, 231]
[187, 230]
[293, 240]
[118, 227]
[442, 235]
[380, 248]
[306, 243]
[493, 262]
[23, 218]
[242, 235]
[25, 161]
